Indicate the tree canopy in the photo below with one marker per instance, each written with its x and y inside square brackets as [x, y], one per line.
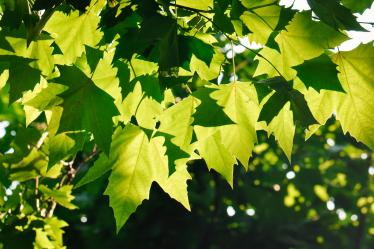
[129, 94]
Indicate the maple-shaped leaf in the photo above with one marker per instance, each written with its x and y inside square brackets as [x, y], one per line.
[209, 113]
[283, 94]
[47, 97]
[212, 149]
[305, 39]
[72, 31]
[176, 127]
[22, 76]
[261, 22]
[86, 106]
[136, 163]
[177, 121]
[239, 101]
[176, 184]
[333, 13]
[281, 66]
[355, 110]
[39, 50]
[319, 73]
[283, 128]
[354, 107]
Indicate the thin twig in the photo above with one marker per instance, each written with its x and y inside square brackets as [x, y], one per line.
[95, 151]
[189, 8]
[233, 60]
[230, 39]
[37, 201]
[35, 32]
[188, 89]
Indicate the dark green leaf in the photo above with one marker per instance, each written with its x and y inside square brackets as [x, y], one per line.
[22, 76]
[334, 14]
[319, 73]
[209, 113]
[86, 107]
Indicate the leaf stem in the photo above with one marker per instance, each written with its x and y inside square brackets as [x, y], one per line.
[132, 68]
[233, 60]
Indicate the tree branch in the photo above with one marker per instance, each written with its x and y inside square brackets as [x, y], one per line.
[35, 32]
[190, 9]
[238, 43]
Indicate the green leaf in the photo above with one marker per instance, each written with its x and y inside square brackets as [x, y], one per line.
[136, 163]
[273, 106]
[222, 20]
[22, 76]
[169, 51]
[305, 39]
[209, 113]
[283, 94]
[44, 4]
[93, 57]
[334, 14]
[131, 103]
[265, 68]
[357, 6]
[176, 184]
[86, 107]
[47, 97]
[352, 109]
[239, 100]
[190, 45]
[214, 152]
[141, 41]
[261, 22]
[72, 31]
[300, 109]
[62, 195]
[97, 170]
[356, 109]
[283, 129]
[64, 145]
[319, 73]
[177, 121]
[200, 5]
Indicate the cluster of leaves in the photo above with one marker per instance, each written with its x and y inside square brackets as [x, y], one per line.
[267, 209]
[134, 87]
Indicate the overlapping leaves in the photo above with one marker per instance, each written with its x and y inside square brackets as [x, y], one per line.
[138, 79]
